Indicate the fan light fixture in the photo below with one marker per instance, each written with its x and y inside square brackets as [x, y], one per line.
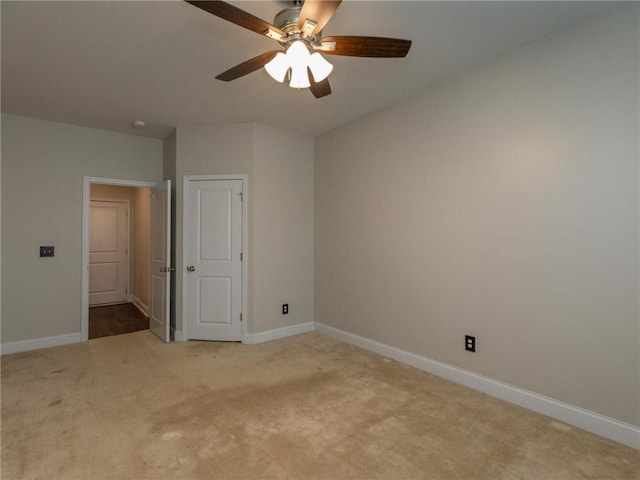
[299, 30]
[297, 58]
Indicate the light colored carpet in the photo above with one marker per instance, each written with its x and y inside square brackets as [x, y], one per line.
[132, 407]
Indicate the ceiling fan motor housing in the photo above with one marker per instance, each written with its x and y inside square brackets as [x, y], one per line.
[287, 21]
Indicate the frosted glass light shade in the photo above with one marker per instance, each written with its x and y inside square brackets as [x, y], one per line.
[298, 53]
[320, 68]
[298, 58]
[278, 67]
[299, 77]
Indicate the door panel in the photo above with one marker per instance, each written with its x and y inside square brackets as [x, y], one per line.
[103, 230]
[103, 278]
[215, 225]
[213, 251]
[215, 300]
[108, 252]
[159, 321]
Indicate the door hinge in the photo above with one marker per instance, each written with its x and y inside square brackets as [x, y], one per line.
[241, 256]
[241, 196]
[240, 316]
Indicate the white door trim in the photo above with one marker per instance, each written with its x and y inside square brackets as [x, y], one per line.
[245, 234]
[86, 194]
[127, 204]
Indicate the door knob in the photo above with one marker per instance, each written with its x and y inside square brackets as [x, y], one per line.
[191, 268]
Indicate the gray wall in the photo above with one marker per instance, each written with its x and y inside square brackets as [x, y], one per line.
[503, 204]
[210, 150]
[42, 168]
[280, 214]
[282, 228]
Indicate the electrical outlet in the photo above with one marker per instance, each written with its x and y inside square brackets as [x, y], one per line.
[470, 343]
[285, 308]
[47, 251]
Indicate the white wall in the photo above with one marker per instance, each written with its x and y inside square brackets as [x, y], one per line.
[502, 204]
[43, 164]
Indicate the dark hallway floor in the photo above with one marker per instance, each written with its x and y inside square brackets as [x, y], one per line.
[115, 320]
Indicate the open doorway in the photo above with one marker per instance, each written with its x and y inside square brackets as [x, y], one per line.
[116, 248]
[118, 259]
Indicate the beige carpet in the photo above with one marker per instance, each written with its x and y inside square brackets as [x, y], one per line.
[131, 407]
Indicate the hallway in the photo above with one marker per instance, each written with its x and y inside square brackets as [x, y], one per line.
[115, 320]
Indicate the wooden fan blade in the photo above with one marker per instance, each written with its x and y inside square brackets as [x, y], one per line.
[319, 11]
[380, 47]
[319, 89]
[256, 63]
[236, 15]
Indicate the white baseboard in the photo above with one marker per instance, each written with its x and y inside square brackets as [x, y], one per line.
[37, 343]
[590, 421]
[140, 305]
[253, 338]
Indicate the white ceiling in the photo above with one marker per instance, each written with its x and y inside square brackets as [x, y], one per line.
[105, 64]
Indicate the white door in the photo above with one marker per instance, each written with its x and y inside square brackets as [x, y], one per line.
[108, 252]
[214, 260]
[160, 250]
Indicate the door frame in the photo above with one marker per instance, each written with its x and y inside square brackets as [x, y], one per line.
[245, 257]
[86, 199]
[127, 204]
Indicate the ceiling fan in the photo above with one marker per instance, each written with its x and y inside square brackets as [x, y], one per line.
[299, 30]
